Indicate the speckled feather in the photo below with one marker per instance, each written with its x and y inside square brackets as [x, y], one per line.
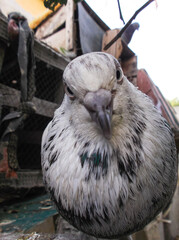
[108, 187]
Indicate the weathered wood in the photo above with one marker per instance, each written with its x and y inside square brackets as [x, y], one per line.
[130, 69]
[171, 230]
[116, 48]
[119, 49]
[26, 179]
[45, 53]
[153, 230]
[41, 50]
[47, 226]
[39, 236]
[52, 23]
[11, 98]
[57, 40]
[70, 25]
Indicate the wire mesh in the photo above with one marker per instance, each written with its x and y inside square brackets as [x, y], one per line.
[48, 83]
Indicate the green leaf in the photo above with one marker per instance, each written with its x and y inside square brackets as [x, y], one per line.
[51, 4]
[174, 102]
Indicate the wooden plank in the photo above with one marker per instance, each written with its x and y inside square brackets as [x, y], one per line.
[116, 48]
[130, 69]
[45, 226]
[51, 24]
[57, 40]
[171, 230]
[11, 98]
[26, 179]
[70, 25]
[45, 53]
[41, 50]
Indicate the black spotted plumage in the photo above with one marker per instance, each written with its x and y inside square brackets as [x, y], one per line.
[108, 157]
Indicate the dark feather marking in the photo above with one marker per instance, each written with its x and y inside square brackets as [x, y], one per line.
[120, 202]
[52, 147]
[86, 144]
[53, 124]
[83, 157]
[61, 132]
[155, 201]
[53, 158]
[128, 145]
[128, 164]
[132, 192]
[78, 220]
[106, 214]
[47, 146]
[46, 168]
[138, 130]
[75, 144]
[97, 164]
[137, 141]
[51, 138]
[79, 136]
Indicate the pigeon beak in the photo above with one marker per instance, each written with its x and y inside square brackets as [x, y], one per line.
[99, 105]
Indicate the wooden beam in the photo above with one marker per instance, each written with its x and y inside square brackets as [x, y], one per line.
[130, 70]
[51, 24]
[70, 25]
[45, 53]
[57, 40]
[116, 48]
[41, 50]
[11, 98]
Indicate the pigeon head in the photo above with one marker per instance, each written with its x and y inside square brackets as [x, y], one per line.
[92, 81]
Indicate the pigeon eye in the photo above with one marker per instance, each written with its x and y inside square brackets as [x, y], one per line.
[119, 76]
[69, 92]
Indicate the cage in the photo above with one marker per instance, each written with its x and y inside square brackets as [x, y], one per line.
[20, 165]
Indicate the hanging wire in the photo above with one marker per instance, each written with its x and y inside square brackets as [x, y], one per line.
[120, 12]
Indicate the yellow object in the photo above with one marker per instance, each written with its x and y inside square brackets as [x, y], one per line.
[37, 9]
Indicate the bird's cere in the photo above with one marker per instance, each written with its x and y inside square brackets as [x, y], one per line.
[108, 156]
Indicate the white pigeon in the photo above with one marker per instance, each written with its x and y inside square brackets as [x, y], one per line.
[108, 156]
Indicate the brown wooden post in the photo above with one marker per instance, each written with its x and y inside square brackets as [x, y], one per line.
[116, 48]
